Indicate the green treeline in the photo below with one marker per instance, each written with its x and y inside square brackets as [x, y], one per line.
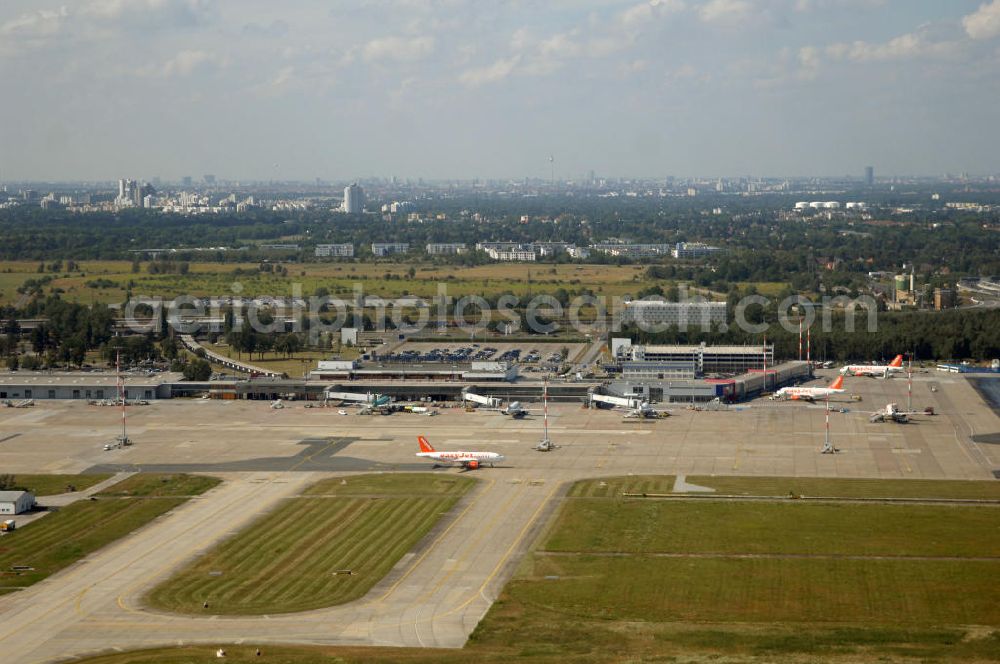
[955, 334]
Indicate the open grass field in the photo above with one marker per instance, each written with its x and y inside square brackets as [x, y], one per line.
[732, 563]
[290, 558]
[57, 540]
[48, 485]
[302, 363]
[795, 528]
[773, 589]
[161, 485]
[385, 279]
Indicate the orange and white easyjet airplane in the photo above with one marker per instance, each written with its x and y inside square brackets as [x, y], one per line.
[810, 393]
[468, 460]
[874, 370]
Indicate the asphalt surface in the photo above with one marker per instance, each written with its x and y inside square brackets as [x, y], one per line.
[319, 455]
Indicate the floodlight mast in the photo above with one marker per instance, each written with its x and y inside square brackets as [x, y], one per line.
[545, 445]
[122, 394]
[828, 447]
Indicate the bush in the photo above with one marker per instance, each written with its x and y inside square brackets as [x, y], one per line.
[198, 370]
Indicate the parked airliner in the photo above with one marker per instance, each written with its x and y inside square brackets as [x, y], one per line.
[874, 370]
[468, 460]
[810, 393]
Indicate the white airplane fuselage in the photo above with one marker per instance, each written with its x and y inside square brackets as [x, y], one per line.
[810, 393]
[805, 392]
[461, 458]
[470, 460]
[874, 370]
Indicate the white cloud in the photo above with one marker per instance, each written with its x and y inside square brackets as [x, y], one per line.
[37, 24]
[520, 39]
[904, 47]
[95, 19]
[809, 61]
[497, 71]
[148, 13]
[561, 45]
[725, 11]
[984, 23]
[644, 12]
[283, 76]
[837, 5]
[187, 62]
[398, 48]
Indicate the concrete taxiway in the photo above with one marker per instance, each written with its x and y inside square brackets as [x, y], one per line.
[436, 594]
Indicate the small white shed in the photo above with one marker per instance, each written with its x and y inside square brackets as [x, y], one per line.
[16, 502]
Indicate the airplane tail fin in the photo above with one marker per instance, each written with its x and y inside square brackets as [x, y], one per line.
[898, 362]
[424, 445]
[837, 384]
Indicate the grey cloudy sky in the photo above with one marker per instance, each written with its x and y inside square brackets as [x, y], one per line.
[97, 89]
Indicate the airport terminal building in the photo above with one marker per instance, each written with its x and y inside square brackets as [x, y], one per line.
[33, 385]
[677, 361]
[698, 373]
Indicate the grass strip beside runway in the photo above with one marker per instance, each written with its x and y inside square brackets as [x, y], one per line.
[49, 485]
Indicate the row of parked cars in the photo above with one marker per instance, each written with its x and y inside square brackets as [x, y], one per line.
[471, 353]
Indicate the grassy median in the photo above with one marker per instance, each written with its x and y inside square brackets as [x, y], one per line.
[49, 485]
[325, 547]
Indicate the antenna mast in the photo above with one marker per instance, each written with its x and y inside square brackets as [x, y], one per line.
[545, 445]
[545, 409]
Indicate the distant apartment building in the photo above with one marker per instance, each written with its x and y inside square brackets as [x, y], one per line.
[678, 314]
[632, 250]
[545, 249]
[334, 251]
[513, 255]
[693, 250]
[354, 199]
[581, 253]
[446, 248]
[527, 251]
[382, 249]
[509, 251]
[499, 246]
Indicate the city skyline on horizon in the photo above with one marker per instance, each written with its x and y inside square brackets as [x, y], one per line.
[454, 90]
